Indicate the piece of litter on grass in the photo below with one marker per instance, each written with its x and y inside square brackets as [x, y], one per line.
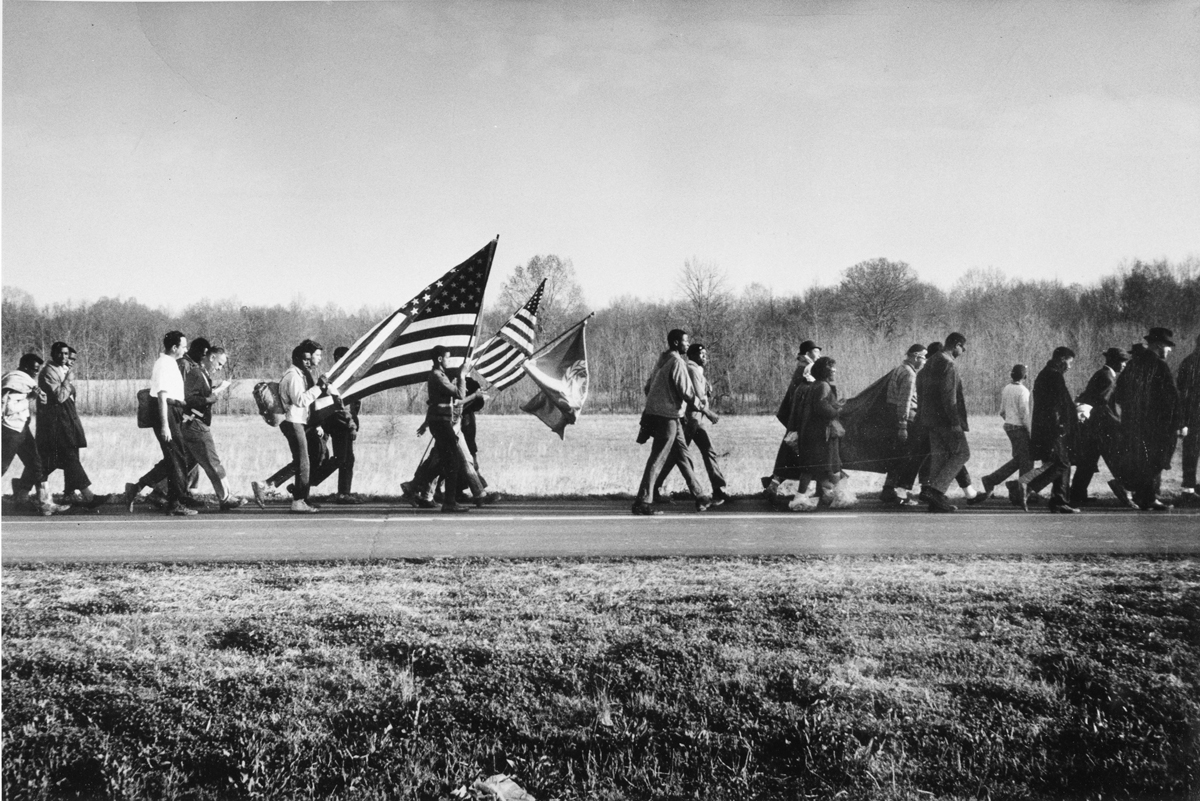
[502, 787]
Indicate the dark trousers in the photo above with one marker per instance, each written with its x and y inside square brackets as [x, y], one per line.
[917, 461]
[1191, 455]
[450, 456]
[1020, 463]
[1056, 473]
[175, 464]
[948, 455]
[307, 454]
[697, 435]
[342, 461]
[21, 443]
[429, 472]
[1090, 449]
[668, 444]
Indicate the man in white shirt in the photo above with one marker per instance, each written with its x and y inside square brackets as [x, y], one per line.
[166, 393]
[1018, 421]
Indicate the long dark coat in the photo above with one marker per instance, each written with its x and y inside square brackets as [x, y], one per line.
[59, 428]
[1054, 418]
[1098, 433]
[819, 453]
[1146, 402]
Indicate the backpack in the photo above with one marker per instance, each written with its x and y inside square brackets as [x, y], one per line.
[145, 410]
[266, 395]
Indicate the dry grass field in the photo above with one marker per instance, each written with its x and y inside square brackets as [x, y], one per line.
[518, 454]
[785, 678]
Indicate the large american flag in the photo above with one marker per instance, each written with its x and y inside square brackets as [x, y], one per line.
[499, 360]
[395, 352]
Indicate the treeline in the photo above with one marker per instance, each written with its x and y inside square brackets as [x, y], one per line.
[866, 321]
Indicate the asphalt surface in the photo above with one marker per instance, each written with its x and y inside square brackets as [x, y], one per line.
[583, 528]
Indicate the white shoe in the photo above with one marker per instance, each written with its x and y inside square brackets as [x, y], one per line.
[300, 507]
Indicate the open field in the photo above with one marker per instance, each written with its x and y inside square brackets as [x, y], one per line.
[519, 455]
[897, 678]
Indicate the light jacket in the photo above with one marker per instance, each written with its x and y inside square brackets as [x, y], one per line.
[296, 399]
[669, 390]
[18, 385]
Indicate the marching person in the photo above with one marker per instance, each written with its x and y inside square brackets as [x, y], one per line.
[166, 394]
[696, 428]
[440, 420]
[342, 427]
[1097, 431]
[1052, 435]
[1016, 412]
[902, 402]
[1189, 397]
[943, 415]
[60, 434]
[201, 393]
[1151, 417]
[669, 393]
[158, 477]
[18, 387]
[819, 430]
[299, 388]
[421, 491]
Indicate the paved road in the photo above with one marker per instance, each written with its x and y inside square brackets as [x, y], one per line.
[592, 528]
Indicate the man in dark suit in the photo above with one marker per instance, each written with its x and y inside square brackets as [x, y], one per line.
[1095, 438]
[1053, 432]
[942, 412]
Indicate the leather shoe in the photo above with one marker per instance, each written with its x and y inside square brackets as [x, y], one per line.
[1156, 506]
[1063, 509]
[1017, 495]
[703, 503]
[645, 509]
[454, 508]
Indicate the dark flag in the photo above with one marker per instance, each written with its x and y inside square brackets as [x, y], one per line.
[561, 372]
[395, 353]
[499, 360]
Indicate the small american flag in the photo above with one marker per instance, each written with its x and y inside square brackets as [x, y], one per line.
[395, 352]
[499, 359]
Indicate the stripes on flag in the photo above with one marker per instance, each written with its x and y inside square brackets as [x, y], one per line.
[499, 360]
[395, 352]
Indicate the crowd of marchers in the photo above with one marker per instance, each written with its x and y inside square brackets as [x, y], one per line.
[911, 425]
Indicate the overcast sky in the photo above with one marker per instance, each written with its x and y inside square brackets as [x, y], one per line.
[350, 152]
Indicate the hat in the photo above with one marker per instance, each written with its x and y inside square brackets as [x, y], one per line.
[1115, 355]
[1162, 335]
[807, 345]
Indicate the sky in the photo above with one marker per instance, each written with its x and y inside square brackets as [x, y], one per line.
[349, 152]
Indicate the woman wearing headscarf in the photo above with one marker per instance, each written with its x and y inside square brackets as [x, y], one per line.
[818, 427]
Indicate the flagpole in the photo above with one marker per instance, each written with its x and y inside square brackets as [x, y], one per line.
[475, 330]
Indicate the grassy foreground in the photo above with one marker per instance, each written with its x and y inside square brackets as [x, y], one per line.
[895, 678]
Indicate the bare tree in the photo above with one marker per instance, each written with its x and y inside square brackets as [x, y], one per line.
[879, 293]
[562, 302]
[706, 299]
